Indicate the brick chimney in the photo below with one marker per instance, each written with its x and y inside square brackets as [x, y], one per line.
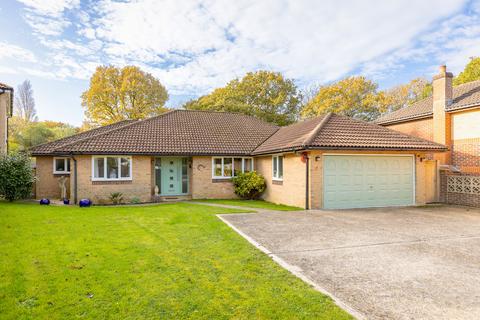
[442, 97]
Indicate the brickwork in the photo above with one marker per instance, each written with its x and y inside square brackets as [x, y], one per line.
[47, 183]
[458, 198]
[466, 155]
[420, 128]
[140, 186]
[203, 186]
[292, 189]
[4, 111]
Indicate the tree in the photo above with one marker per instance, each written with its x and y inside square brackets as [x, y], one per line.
[355, 97]
[405, 95]
[470, 73]
[263, 94]
[24, 135]
[25, 103]
[117, 94]
[16, 176]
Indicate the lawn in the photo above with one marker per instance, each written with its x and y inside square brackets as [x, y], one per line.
[143, 262]
[252, 204]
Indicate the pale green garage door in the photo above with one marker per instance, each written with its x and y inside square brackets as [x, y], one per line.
[367, 181]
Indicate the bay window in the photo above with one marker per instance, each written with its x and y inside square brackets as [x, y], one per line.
[277, 167]
[228, 167]
[61, 165]
[111, 168]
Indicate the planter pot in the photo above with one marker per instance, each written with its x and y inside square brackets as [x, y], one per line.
[85, 203]
[66, 201]
[44, 202]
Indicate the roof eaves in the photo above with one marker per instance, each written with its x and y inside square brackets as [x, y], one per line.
[405, 119]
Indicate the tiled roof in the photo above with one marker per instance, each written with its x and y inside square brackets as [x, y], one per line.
[51, 147]
[340, 132]
[4, 86]
[464, 95]
[348, 133]
[179, 132]
[182, 132]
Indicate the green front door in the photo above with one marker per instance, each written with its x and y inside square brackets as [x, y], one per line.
[172, 175]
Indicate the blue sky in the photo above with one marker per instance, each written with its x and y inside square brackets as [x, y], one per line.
[195, 46]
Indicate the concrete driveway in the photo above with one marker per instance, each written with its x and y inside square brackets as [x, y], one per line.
[388, 263]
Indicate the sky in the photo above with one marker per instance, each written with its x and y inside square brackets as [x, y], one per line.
[193, 47]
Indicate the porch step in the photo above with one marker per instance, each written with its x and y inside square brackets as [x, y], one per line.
[170, 198]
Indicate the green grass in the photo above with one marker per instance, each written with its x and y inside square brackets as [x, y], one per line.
[172, 261]
[252, 204]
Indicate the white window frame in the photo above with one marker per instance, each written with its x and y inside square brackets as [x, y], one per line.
[275, 159]
[233, 166]
[105, 178]
[65, 159]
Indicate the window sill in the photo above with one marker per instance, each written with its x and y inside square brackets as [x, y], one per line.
[220, 180]
[100, 182]
[61, 173]
[277, 182]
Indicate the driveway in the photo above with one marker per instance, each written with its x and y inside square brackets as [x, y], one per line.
[388, 263]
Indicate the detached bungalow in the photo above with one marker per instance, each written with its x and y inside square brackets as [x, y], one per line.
[327, 162]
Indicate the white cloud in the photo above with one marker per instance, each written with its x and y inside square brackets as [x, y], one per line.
[53, 8]
[16, 53]
[311, 41]
[194, 46]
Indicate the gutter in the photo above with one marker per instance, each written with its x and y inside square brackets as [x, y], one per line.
[2, 91]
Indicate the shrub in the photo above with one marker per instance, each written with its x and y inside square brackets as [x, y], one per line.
[116, 197]
[135, 200]
[249, 185]
[16, 176]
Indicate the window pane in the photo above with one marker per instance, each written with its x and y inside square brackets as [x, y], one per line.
[274, 163]
[248, 165]
[227, 167]
[237, 166]
[125, 167]
[217, 169]
[112, 168]
[280, 167]
[68, 165]
[184, 175]
[158, 174]
[60, 165]
[98, 168]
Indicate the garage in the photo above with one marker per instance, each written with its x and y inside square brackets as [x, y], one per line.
[362, 181]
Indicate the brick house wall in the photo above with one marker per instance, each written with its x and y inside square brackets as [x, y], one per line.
[99, 191]
[47, 185]
[4, 111]
[290, 191]
[466, 140]
[202, 184]
[422, 128]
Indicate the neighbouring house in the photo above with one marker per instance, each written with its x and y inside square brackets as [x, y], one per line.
[451, 116]
[330, 161]
[6, 109]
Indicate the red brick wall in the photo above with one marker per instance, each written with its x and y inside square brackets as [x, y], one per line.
[466, 155]
[420, 128]
[464, 199]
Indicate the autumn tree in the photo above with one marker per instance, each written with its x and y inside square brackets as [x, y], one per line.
[470, 73]
[355, 97]
[117, 94]
[405, 95]
[263, 94]
[24, 105]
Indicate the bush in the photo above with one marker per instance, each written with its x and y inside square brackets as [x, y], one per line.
[135, 200]
[116, 197]
[16, 176]
[249, 185]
